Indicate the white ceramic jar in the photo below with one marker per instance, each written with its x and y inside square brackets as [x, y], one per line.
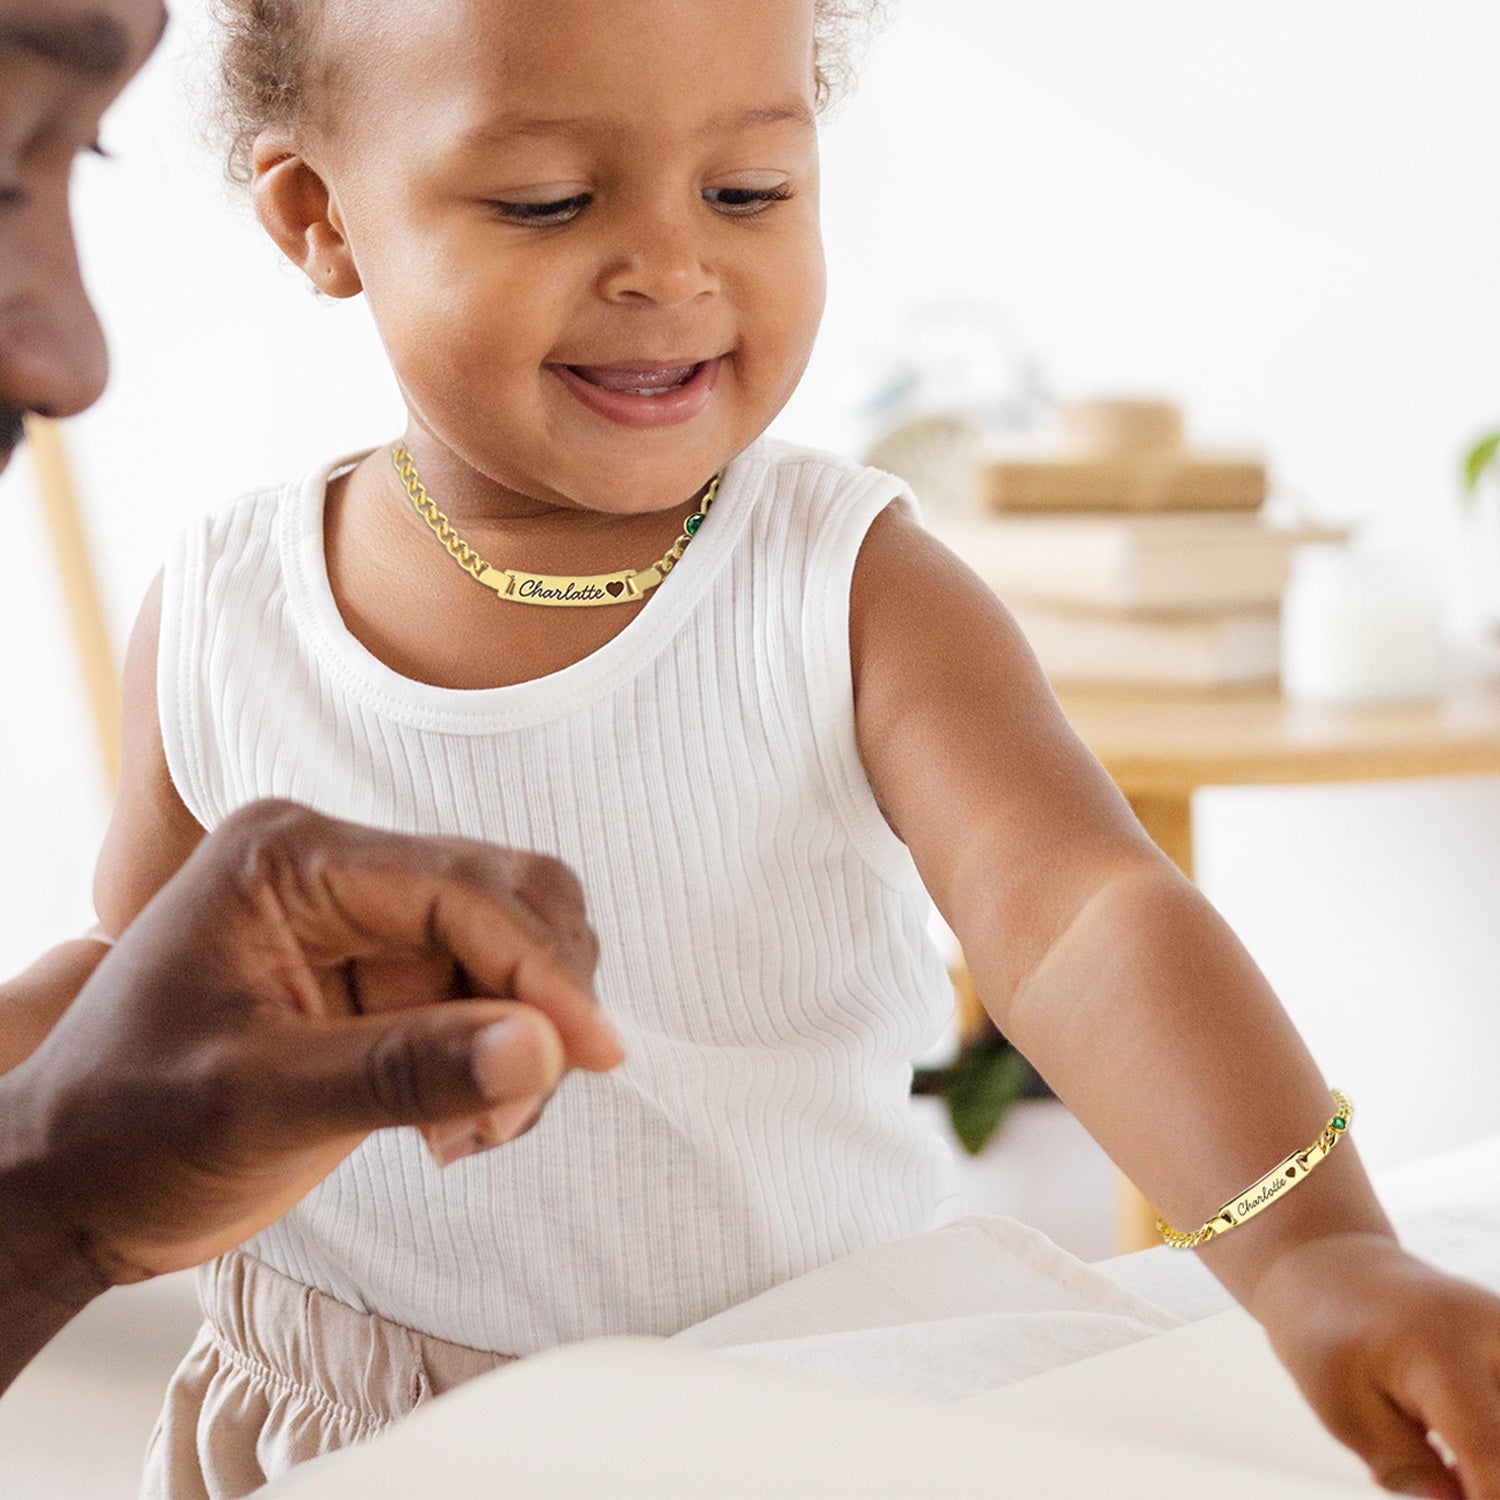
[1359, 627]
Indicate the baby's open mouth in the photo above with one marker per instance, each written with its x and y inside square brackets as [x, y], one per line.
[652, 381]
[643, 395]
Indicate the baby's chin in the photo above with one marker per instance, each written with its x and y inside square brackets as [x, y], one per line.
[641, 489]
[634, 473]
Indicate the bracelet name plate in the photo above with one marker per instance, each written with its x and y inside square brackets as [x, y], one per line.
[1285, 1174]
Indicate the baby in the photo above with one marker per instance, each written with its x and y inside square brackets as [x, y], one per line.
[586, 606]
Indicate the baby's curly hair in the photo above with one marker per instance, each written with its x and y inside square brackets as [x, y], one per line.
[267, 48]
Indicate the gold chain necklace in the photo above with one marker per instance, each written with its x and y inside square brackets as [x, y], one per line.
[560, 591]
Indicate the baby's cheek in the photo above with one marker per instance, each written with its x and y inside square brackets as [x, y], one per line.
[471, 356]
[448, 305]
[795, 297]
[785, 327]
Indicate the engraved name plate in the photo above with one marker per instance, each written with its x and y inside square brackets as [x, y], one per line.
[561, 591]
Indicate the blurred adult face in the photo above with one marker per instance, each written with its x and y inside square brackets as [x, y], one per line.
[62, 64]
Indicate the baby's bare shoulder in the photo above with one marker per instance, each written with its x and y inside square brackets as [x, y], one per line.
[917, 607]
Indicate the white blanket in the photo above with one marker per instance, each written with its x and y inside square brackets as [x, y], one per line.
[656, 1421]
[963, 1309]
[1179, 1401]
[987, 1301]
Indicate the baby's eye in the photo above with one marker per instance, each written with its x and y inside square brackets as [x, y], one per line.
[543, 214]
[742, 202]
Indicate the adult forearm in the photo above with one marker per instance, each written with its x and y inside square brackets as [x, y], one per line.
[1152, 1023]
[45, 1280]
[41, 1285]
[32, 1003]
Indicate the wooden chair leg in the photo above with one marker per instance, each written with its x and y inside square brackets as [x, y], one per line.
[80, 584]
[1168, 818]
[1135, 1219]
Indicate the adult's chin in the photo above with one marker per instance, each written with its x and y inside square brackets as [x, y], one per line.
[12, 431]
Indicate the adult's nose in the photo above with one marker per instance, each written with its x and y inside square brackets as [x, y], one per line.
[53, 358]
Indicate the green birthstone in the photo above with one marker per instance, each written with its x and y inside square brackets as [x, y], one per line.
[693, 522]
[1339, 1122]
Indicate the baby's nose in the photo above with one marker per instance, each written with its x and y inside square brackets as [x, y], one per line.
[662, 262]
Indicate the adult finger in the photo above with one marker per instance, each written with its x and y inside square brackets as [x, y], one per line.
[340, 891]
[444, 1062]
[455, 1139]
[472, 912]
[554, 893]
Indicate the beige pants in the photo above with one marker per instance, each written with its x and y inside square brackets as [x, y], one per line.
[280, 1374]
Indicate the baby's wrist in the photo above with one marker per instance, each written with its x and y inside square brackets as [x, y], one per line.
[1284, 1286]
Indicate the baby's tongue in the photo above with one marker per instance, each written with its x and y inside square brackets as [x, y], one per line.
[654, 379]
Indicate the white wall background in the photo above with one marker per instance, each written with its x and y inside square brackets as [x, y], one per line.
[1285, 215]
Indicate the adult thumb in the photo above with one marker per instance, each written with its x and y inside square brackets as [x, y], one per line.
[420, 1067]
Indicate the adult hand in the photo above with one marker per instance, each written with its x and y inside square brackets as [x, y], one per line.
[274, 1004]
[1387, 1349]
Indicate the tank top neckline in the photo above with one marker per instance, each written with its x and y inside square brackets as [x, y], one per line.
[519, 705]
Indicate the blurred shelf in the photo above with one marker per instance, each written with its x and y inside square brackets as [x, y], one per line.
[1164, 744]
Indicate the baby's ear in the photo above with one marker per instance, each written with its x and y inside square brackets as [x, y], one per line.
[293, 205]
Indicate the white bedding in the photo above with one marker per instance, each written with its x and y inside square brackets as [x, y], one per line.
[968, 1307]
[987, 1301]
[1143, 1390]
[621, 1420]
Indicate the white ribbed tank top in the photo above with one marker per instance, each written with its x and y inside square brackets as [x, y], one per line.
[762, 931]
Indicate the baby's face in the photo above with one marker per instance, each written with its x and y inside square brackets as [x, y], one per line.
[588, 229]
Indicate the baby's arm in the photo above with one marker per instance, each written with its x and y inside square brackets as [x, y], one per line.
[151, 833]
[1138, 1005]
[150, 836]
[1109, 971]
[31, 1003]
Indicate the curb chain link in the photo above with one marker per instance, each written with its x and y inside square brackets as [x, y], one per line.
[469, 560]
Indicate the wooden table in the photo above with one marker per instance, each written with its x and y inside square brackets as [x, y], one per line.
[1160, 748]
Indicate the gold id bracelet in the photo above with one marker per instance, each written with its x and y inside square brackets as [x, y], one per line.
[1283, 1175]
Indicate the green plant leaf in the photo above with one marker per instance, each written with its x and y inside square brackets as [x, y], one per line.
[981, 1088]
[1481, 457]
